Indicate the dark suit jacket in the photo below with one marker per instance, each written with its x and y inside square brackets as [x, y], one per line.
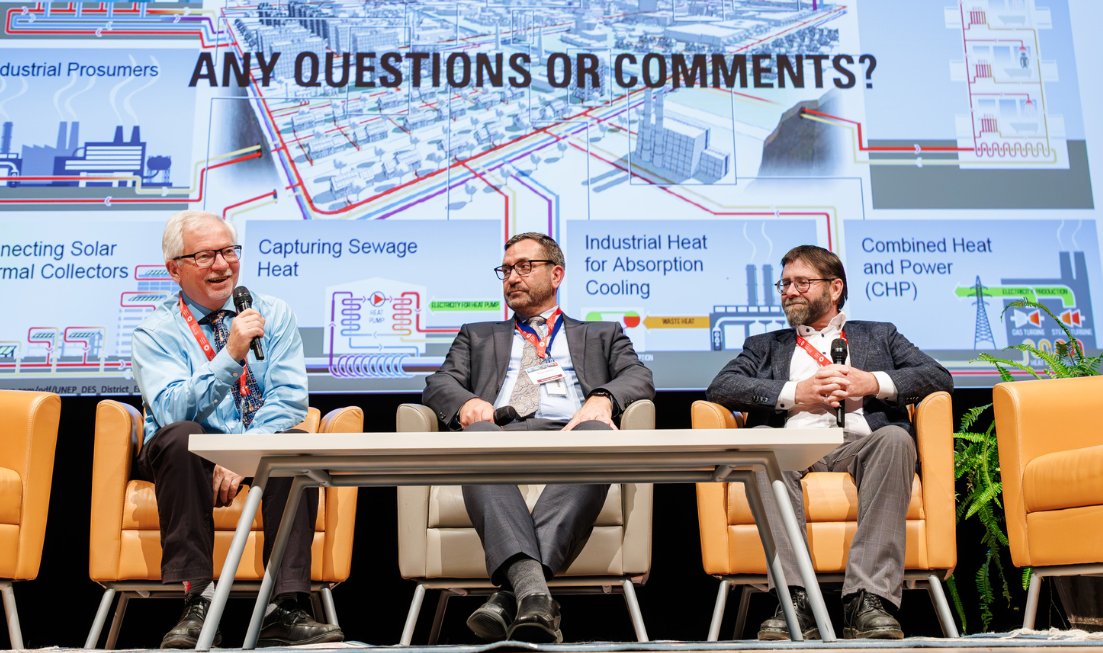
[752, 382]
[476, 366]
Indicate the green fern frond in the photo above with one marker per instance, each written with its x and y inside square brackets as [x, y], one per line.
[956, 598]
[1026, 577]
[970, 417]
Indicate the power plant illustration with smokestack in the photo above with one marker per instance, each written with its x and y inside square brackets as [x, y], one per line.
[731, 325]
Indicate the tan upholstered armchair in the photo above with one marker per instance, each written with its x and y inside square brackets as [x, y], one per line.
[1051, 463]
[28, 439]
[125, 541]
[439, 549]
[731, 550]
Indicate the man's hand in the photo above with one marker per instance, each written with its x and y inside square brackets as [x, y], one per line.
[226, 486]
[247, 325]
[596, 408]
[832, 384]
[476, 410]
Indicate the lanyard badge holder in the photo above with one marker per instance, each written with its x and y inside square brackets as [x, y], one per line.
[547, 372]
[205, 344]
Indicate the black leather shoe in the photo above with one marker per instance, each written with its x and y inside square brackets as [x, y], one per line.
[775, 627]
[865, 618]
[492, 620]
[537, 621]
[290, 625]
[186, 632]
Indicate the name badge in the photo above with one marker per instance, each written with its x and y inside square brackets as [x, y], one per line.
[545, 372]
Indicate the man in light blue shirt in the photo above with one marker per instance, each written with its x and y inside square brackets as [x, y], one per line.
[190, 362]
[556, 373]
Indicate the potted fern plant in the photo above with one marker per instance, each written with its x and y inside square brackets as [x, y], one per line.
[976, 460]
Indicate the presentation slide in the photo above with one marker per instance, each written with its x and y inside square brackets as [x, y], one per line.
[375, 157]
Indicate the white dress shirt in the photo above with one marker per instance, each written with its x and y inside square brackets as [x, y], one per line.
[803, 366]
[557, 407]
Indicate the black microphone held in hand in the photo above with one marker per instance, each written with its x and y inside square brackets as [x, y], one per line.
[243, 301]
[505, 415]
[838, 357]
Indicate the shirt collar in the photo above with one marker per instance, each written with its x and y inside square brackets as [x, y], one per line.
[836, 325]
[200, 312]
[546, 314]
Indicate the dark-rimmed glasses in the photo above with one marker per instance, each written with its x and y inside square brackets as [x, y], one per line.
[802, 284]
[523, 268]
[206, 257]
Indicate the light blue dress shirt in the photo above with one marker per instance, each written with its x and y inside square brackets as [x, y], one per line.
[558, 407]
[178, 383]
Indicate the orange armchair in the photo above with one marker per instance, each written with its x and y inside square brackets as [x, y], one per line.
[1051, 458]
[731, 550]
[125, 541]
[27, 443]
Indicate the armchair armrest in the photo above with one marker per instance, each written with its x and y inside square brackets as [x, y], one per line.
[934, 434]
[639, 415]
[413, 418]
[340, 513]
[118, 440]
[712, 498]
[28, 445]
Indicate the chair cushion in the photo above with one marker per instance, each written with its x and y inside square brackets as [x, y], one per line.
[1064, 479]
[828, 497]
[11, 495]
[140, 510]
[447, 510]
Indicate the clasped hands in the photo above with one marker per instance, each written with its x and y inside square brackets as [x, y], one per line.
[596, 408]
[833, 384]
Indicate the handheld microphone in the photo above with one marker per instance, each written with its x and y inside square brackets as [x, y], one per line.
[838, 357]
[243, 301]
[505, 415]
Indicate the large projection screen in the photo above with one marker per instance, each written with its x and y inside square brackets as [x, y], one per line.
[940, 147]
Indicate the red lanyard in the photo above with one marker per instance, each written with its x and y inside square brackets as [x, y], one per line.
[542, 344]
[205, 344]
[815, 353]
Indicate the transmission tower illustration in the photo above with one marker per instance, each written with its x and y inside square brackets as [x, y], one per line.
[983, 331]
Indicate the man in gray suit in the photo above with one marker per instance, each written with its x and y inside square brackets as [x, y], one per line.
[786, 379]
[557, 374]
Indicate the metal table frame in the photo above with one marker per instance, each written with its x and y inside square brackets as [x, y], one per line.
[440, 467]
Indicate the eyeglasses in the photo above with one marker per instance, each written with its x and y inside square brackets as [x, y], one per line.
[205, 258]
[802, 285]
[523, 268]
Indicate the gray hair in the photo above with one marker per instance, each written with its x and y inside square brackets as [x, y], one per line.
[551, 248]
[172, 242]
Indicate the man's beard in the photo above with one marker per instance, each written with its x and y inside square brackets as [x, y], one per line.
[529, 298]
[801, 311]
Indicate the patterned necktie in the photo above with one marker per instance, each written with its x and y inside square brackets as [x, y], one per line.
[248, 404]
[526, 394]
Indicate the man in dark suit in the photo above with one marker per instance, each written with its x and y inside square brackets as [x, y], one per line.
[786, 379]
[558, 374]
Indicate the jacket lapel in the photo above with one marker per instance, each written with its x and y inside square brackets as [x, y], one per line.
[784, 344]
[503, 343]
[576, 344]
[856, 344]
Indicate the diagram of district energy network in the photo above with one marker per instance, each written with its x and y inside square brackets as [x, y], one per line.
[937, 145]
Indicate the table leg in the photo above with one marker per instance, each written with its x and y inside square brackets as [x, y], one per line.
[229, 569]
[800, 551]
[286, 524]
[750, 483]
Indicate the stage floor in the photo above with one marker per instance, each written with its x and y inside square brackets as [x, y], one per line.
[1018, 640]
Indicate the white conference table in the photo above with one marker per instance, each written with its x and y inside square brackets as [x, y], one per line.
[516, 457]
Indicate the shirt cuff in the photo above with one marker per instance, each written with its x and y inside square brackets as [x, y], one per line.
[226, 369]
[788, 397]
[888, 388]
